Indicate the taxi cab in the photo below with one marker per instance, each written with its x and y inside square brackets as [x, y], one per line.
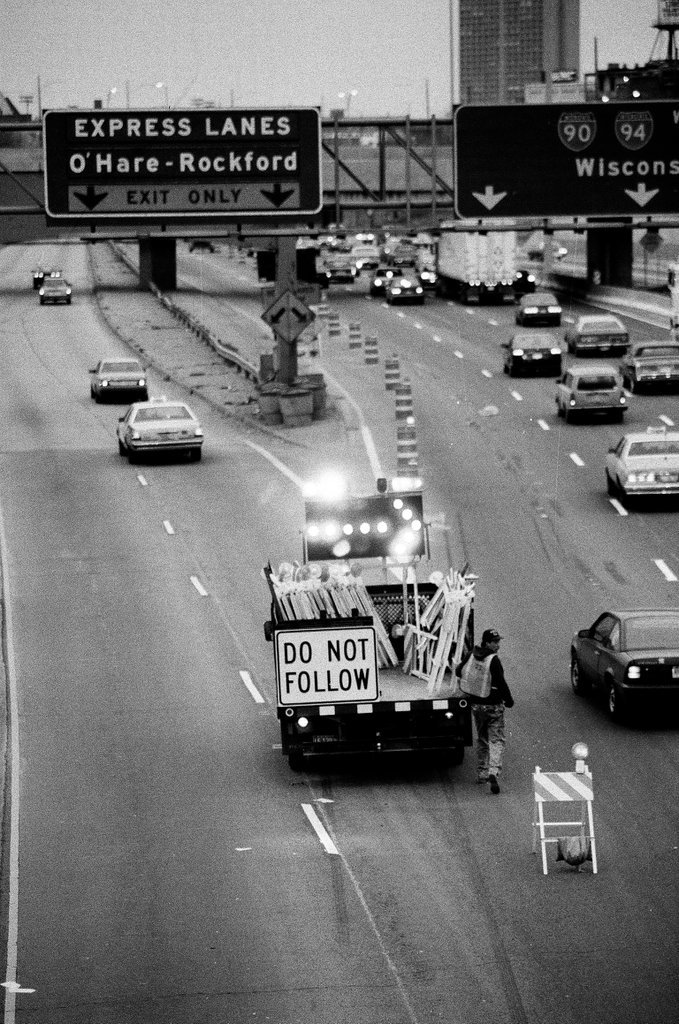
[159, 425]
[644, 463]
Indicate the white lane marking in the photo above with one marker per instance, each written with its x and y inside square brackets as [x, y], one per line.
[199, 586]
[493, 323]
[666, 420]
[543, 425]
[665, 570]
[13, 765]
[517, 396]
[371, 450]
[168, 527]
[619, 507]
[437, 337]
[14, 986]
[469, 312]
[460, 355]
[486, 373]
[569, 319]
[393, 969]
[280, 466]
[576, 459]
[142, 480]
[418, 326]
[401, 314]
[254, 692]
[320, 829]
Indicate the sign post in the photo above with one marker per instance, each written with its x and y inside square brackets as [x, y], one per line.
[164, 166]
[603, 159]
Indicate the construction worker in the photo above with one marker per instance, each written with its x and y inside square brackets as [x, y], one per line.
[482, 678]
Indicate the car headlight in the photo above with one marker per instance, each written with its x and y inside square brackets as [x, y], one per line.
[198, 431]
[633, 672]
[531, 309]
[104, 383]
[41, 292]
[517, 351]
[135, 435]
[395, 290]
[553, 309]
[645, 477]
[623, 400]
[141, 382]
[68, 291]
[418, 290]
[556, 351]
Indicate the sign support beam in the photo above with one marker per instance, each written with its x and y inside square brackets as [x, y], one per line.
[286, 280]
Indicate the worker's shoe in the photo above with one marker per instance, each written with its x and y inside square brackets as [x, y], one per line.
[494, 784]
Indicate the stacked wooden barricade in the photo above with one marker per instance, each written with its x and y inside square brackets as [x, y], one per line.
[435, 642]
[314, 592]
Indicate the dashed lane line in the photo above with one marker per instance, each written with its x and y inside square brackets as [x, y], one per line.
[168, 527]
[320, 829]
[142, 480]
[516, 396]
[543, 425]
[666, 420]
[576, 459]
[460, 355]
[619, 507]
[199, 586]
[250, 686]
[666, 571]
[486, 373]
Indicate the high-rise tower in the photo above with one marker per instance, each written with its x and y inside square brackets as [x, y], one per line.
[504, 45]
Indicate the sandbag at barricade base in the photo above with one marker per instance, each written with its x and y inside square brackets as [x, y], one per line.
[574, 850]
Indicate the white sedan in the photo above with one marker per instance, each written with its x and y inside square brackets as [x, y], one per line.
[159, 426]
[644, 463]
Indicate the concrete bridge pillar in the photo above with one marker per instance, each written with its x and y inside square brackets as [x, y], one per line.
[609, 257]
[158, 262]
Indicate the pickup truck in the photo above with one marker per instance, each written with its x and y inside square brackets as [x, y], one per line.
[370, 671]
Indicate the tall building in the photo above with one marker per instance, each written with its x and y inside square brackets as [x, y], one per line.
[504, 45]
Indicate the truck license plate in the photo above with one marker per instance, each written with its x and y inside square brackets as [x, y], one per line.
[324, 739]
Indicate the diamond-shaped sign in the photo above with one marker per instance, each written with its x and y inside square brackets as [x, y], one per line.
[287, 316]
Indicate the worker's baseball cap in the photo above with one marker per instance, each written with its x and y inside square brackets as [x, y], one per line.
[490, 636]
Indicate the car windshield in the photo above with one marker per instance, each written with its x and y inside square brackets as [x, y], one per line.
[120, 366]
[657, 351]
[652, 633]
[642, 449]
[162, 412]
[599, 383]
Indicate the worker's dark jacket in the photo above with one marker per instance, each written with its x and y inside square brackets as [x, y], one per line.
[499, 690]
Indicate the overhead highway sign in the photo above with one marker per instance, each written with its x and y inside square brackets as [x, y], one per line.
[178, 165]
[582, 160]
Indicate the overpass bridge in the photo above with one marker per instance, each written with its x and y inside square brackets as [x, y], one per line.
[374, 172]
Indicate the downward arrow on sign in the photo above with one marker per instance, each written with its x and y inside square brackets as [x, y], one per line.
[641, 195]
[489, 197]
[91, 197]
[277, 195]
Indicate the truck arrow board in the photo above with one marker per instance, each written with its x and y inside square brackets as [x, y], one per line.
[329, 665]
[603, 159]
[178, 165]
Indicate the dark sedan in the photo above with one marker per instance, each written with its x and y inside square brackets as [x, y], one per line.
[632, 656]
[538, 308]
[532, 352]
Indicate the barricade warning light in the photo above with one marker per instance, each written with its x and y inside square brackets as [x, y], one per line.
[377, 526]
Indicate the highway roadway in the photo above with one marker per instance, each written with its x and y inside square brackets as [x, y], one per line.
[168, 869]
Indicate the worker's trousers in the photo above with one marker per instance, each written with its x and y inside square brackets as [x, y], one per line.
[490, 737]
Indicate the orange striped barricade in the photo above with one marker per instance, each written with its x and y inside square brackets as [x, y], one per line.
[392, 373]
[355, 335]
[404, 400]
[370, 353]
[565, 787]
[406, 450]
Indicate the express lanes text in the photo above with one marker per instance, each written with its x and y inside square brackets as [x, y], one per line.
[211, 126]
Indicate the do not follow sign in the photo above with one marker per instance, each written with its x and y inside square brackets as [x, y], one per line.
[326, 666]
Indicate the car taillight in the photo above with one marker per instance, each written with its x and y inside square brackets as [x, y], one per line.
[633, 672]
